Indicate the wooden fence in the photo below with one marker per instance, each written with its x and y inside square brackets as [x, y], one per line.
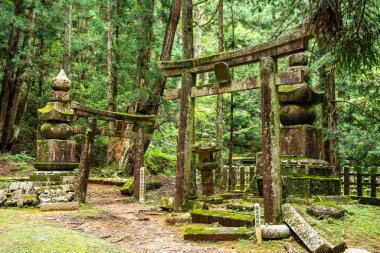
[359, 180]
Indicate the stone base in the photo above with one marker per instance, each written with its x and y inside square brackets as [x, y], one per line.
[52, 153]
[224, 218]
[302, 140]
[53, 177]
[202, 233]
[305, 186]
[299, 166]
[63, 206]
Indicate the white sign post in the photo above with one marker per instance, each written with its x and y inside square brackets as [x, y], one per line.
[142, 185]
[258, 223]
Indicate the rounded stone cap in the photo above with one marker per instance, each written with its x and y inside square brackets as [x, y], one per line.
[300, 59]
[61, 82]
[205, 135]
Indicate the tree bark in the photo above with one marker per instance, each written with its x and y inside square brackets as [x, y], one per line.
[139, 161]
[219, 104]
[67, 39]
[84, 163]
[111, 105]
[9, 133]
[145, 17]
[151, 107]
[9, 71]
[188, 80]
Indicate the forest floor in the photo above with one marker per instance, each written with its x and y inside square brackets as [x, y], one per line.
[111, 222]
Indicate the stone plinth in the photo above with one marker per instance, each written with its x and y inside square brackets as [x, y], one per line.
[53, 154]
[302, 140]
[307, 186]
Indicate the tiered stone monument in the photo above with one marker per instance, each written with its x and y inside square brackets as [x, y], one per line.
[304, 172]
[205, 150]
[56, 154]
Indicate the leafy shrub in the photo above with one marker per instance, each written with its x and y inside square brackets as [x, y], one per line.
[158, 162]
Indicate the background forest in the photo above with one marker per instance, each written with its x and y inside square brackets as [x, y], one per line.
[110, 51]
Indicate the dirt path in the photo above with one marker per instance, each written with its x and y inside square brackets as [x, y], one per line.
[133, 226]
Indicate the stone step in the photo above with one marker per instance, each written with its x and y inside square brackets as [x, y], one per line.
[223, 217]
[241, 205]
[312, 239]
[215, 233]
[204, 233]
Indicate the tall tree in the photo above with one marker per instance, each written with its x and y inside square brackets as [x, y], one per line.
[67, 38]
[219, 102]
[13, 75]
[186, 106]
[111, 84]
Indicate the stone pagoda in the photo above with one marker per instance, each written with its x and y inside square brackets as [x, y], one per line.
[304, 172]
[56, 154]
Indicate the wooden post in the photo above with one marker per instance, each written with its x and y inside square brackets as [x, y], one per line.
[270, 117]
[258, 223]
[359, 182]
[373, 185]
[84, 164]
[139, 161]
[346, 178]
[224, 177]
[251, 175]
[242, 178]
[231, 178]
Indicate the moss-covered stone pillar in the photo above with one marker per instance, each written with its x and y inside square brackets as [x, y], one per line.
[56, 155]
[270, 118]
[205, 150]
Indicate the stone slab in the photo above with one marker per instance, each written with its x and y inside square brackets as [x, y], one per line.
[335, 242]
[309, 236]
[50, 176]
[176, 218]
[224, 218]
[241, 206]
[213, 199]
[202, 233]
[61, 206]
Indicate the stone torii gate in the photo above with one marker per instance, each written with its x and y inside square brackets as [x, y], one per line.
[56, 153]
[268, 81]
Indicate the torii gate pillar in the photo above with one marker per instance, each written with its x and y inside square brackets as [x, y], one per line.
[270, 118]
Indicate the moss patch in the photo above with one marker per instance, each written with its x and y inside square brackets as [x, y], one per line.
[20, 233]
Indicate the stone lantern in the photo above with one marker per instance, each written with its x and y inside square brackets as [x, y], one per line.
[205, 150]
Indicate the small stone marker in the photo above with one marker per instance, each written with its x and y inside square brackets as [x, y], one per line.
[142, 185]
[61, 206]
[258, 223]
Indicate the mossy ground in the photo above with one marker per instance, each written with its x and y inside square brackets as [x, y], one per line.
[20, 233]
[359, 228]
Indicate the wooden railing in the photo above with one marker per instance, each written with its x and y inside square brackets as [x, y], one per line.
[359, 180]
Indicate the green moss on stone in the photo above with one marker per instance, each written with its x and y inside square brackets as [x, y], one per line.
[127, 188]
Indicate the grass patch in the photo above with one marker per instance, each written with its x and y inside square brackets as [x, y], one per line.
[20, 233]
